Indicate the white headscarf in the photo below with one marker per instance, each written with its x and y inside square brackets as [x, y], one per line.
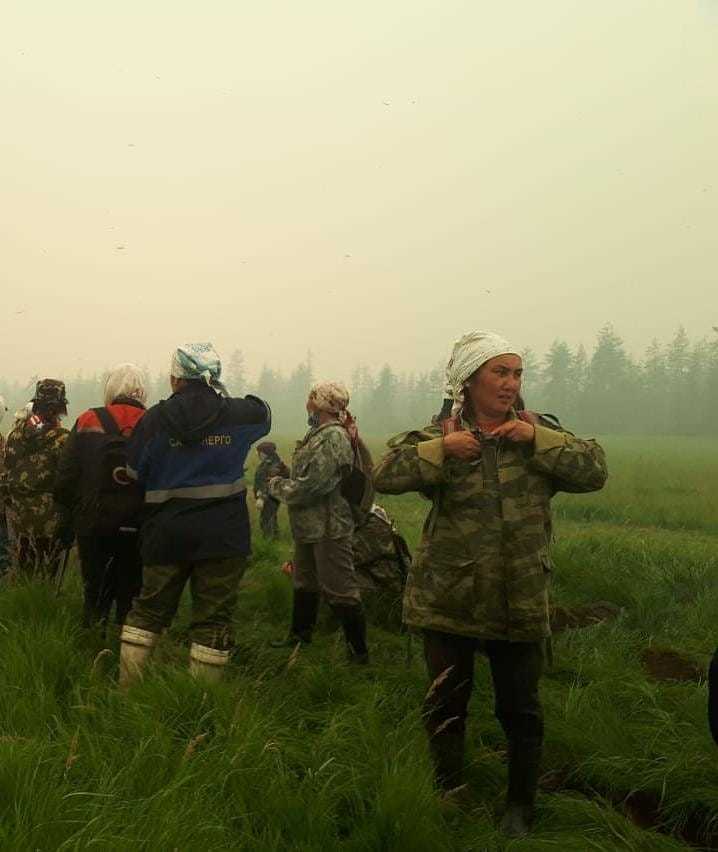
[470, 352]
[125, 380]
[198, 361]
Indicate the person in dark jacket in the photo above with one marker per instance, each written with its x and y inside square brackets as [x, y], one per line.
[189, 454]
[107, 534]
[713, 697]
[270, 464]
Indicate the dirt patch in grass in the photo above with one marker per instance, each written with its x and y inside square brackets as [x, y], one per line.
[587, 615]
[667, 664]
[642, 807]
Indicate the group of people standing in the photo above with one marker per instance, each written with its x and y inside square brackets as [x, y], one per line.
[479, 581]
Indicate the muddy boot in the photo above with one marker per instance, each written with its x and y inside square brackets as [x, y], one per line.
[136, 646]
[524, 767]
[354, 627]
[207, 664]
[447, 754]
[305, 606]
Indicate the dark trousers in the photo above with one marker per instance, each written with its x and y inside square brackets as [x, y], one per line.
[4, 543]
[713, 697]
[268, 518]
[111, 574]
[38, 556]
[516, 669]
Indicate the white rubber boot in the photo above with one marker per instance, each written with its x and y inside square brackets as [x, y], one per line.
[136, 646]
[207, 663]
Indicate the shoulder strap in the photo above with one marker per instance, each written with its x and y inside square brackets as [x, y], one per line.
[107, 421]
[450, 425]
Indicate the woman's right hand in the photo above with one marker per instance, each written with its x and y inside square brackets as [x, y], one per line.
[462, 445]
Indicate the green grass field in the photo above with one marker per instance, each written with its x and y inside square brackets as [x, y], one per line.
[304, 752]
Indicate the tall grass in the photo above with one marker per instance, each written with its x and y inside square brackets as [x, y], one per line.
[304, 752]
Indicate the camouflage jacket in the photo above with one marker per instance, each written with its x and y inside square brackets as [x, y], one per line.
[266, 469]
[26, 483]
[482, 568]
[312, 493]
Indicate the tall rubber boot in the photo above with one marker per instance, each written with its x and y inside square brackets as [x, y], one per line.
[305, 607]
[447, 754]
[136, 646]
[354, 625]
[207, 664]
[524, 770]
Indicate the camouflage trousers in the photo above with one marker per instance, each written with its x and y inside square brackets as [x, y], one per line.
[214, 587]
[327, 566]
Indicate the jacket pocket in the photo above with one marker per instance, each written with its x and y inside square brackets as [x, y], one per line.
[448, 585]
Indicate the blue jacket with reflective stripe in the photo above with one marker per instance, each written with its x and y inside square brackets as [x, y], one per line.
[189, 454]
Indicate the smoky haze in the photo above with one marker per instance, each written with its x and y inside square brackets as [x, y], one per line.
[364, 181]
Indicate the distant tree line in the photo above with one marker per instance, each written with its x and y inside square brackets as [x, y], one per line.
[671, 390]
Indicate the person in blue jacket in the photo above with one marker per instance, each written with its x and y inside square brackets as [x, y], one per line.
[188, 453]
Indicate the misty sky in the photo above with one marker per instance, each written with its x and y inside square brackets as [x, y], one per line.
[367, 180]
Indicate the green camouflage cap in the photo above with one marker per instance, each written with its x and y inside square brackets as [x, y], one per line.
[50, 391]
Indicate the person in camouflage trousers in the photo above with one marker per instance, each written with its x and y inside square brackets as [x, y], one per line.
[41, 528]
[322, 522]
[480, 577]
[189, 455]
[270, 464]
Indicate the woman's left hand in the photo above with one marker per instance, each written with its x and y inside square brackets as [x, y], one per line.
[515, 430]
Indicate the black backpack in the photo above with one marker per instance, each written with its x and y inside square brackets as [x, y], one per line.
[118, 500]
[357, 486]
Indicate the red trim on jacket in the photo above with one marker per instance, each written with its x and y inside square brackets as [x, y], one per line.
[126, 417]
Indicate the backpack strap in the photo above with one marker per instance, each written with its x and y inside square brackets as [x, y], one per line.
[107, 421]
[450, 425]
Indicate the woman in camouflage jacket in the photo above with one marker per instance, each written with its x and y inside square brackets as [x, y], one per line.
[480, 576]
[322, 521]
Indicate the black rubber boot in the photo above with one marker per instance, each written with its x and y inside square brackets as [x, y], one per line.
[447, 754]
[524, 768]
[305, 606]
[354, 626]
